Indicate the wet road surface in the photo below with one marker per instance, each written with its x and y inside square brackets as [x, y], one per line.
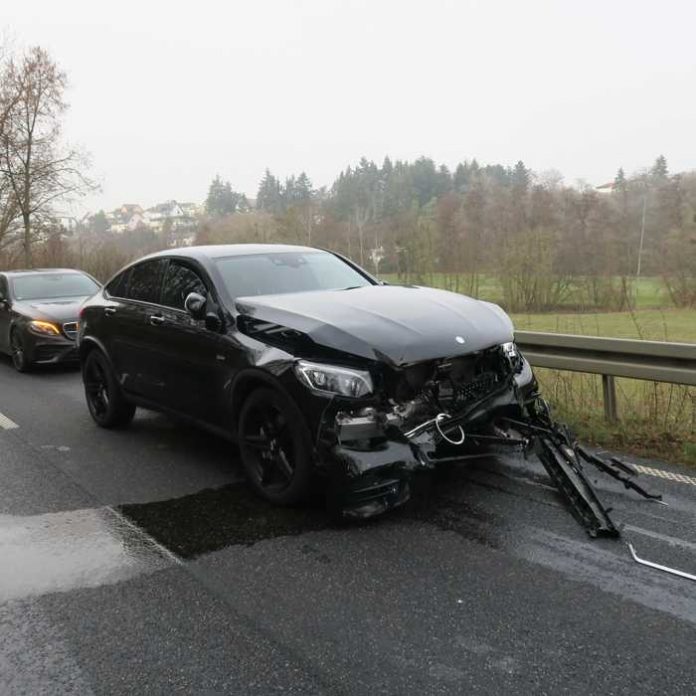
[137, 562]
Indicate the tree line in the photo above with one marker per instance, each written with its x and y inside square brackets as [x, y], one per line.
[540, 238]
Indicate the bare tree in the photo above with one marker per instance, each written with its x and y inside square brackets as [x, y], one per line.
[39, 169]
[9, 211]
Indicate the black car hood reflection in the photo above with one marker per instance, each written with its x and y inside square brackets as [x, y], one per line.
[59, 309]
[394, 324]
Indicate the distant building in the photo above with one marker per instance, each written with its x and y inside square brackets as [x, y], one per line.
[606, 188]
[170, 214]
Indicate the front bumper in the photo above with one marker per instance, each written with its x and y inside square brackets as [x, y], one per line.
[47, 351]
[371, 462]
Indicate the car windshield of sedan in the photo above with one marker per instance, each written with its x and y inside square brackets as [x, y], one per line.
[49, 286]
[285, 272]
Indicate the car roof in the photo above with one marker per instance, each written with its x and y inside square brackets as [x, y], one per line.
[39, 271]
[216, 251]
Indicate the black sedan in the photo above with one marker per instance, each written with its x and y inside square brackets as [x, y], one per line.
[39, 314]
[314, 367]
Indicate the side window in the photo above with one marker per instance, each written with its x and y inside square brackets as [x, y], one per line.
[145, 281]
[179, 282]
[117, 287]
[3, 288]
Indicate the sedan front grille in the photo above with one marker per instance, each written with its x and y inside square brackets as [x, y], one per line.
[70, 330]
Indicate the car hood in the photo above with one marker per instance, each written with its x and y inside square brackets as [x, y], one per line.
[389, 323]
[60, 310]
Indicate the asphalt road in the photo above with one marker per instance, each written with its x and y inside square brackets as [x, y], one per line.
[136, 562]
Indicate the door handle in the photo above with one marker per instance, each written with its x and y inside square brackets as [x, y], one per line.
[156, 319]
[109, 311]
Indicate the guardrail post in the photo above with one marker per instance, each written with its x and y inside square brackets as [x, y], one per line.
[609, 393]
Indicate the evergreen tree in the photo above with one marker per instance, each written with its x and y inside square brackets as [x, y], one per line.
[620, 183]
[289, 192]
[659, 170]
[461, 177]
[303, 187]
[221, 200]
[387, 167]
[520, 177]
[269, 197]
[497, 173]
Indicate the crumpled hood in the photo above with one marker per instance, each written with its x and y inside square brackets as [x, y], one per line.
[58, 310]
[390, 323]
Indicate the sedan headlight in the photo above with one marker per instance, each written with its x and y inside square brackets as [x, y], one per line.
[331, 379]
[46, 328]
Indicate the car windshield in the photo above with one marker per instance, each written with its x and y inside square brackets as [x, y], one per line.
[48, 286]
[284, 272]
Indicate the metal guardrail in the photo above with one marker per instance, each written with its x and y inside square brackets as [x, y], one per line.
[611, 357]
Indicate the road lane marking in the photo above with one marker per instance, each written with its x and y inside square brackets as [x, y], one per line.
[659, 473]
[6, 423]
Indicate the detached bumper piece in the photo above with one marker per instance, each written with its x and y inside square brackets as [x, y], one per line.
[562, 465]
[562, 458]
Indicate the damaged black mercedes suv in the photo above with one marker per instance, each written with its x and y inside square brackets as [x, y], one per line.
[314, 367]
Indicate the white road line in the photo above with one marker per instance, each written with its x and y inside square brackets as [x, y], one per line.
[659, 473]
[6, 423]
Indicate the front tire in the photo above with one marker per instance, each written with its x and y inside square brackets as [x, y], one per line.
[20, 362]
[275, 447]
[107, 405]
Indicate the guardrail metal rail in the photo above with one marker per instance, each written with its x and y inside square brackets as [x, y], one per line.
[611, 357]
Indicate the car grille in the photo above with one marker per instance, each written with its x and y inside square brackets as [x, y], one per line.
[70, 330]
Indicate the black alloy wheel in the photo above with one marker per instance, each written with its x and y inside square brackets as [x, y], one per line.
[19, 356]
[106, 403]
[274, 446]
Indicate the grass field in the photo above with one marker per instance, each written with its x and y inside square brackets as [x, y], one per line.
[648, 293]
[648, 324]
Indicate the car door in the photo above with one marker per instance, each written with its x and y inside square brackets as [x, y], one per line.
[5, 311]
[190, 364]
[134, 335]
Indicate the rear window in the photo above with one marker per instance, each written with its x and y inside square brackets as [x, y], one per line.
[118, 286]
[50, 286]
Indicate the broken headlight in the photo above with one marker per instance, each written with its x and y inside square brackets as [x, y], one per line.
[513, 356]
[331, 379]
[510, 351]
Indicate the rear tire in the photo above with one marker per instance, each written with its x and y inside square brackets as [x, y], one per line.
[275, 447]
[105, 401]
[18, 352]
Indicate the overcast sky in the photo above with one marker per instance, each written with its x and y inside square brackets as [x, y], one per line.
[166, 94]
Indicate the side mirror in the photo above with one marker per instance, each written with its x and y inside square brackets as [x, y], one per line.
[213, 322]
[4, 303]
[194, 304]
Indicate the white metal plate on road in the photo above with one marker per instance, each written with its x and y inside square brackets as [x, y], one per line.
[6, 423]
